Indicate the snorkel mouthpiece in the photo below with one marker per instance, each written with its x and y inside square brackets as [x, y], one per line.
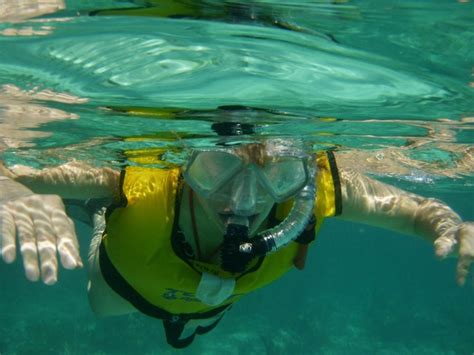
[291, 227]
[233, 260]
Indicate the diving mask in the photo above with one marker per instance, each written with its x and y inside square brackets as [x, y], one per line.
[210, 171]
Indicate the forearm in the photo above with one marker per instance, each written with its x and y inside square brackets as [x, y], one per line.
[73, 180]
[372, 202]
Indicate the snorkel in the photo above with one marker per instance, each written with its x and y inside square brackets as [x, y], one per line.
[291, 227]
[238, 184]
[238, 249]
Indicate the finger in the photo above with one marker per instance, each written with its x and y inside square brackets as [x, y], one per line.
[462, 271]
[26, 238]
[67, 244]
[46, 246]
[444, 246]
[465, 235]
[7, 235]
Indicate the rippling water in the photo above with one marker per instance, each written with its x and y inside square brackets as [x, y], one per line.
[387, 83]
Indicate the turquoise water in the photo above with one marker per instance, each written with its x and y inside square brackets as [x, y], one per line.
[387, 83]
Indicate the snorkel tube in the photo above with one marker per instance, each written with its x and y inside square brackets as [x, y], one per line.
[238, 249]
[292, 226]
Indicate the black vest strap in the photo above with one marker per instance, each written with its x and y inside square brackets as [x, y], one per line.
[173, 331]
[337, 182]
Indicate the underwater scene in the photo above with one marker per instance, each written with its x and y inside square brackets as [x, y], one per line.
[109, 86]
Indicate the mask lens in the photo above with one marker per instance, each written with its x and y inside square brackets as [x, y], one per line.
[284, 177]
[208, 171]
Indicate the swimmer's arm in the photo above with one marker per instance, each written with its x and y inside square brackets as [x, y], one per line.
[74, 180]
[372, 202]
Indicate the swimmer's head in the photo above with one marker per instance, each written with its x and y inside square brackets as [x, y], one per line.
[238, 181]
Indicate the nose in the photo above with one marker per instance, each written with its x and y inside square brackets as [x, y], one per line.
[244, 193]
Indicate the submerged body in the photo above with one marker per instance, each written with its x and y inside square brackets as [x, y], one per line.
[160, 244]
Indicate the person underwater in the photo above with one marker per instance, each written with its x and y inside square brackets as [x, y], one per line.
[184, 243]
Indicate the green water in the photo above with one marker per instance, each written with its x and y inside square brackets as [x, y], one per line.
[395, 79]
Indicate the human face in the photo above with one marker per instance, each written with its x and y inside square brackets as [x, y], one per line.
[243, 183]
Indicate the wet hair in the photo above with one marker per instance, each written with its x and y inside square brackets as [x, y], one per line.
[260, 152]
[254, 152]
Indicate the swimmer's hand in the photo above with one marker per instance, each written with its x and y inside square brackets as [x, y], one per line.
[43, 230]
[458, 240]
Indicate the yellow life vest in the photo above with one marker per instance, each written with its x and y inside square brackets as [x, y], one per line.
[140, 242]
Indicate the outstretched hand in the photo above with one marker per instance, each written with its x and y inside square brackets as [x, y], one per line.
[458, 239]
[43, 230]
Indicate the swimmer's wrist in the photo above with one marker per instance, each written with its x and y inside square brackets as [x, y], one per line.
[11, 189]
[434, 219]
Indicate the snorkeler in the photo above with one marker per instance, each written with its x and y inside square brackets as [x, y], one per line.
[183, 244]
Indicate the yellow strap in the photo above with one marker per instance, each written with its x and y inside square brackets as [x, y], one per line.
[325, 205]
[162, 112]
[167, 8]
